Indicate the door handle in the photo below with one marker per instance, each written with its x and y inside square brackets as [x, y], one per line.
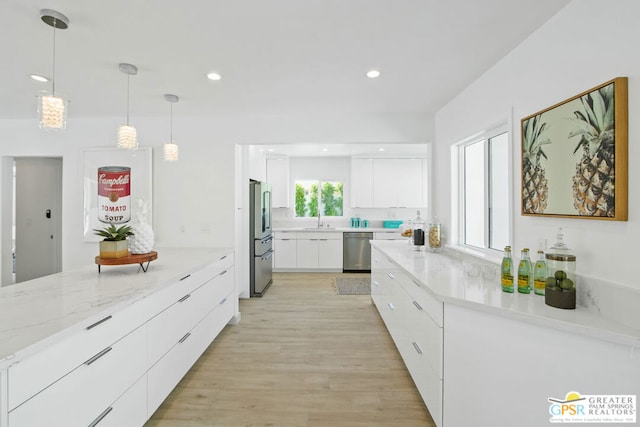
[48, 213]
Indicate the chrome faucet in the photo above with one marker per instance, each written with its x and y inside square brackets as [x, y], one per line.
[319, 222]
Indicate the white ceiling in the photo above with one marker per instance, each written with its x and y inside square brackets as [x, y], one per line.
[276, 56]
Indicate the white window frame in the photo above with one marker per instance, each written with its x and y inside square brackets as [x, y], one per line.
[458, 182]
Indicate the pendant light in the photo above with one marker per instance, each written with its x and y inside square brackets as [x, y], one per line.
[127, 135]
[171, 148]
[52, 109]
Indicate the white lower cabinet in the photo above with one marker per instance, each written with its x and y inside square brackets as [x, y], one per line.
[319, 250]
[165, 375]
[285, 248]
[128, 410]
[410, 322]
[118, 369]
[82, 395]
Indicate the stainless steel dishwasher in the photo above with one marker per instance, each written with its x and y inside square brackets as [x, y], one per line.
[356, 254]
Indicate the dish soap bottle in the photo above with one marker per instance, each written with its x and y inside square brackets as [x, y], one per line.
[524, 272]
[506, 276]
[540, 275]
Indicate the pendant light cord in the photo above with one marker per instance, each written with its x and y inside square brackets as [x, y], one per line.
[171, 123]
[53, 74]
[128, 77]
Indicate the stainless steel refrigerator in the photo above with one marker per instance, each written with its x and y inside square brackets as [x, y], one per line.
[261, 238]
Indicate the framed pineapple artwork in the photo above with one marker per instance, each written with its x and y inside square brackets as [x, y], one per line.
[574, 156]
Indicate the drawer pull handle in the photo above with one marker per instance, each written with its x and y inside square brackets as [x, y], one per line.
[223, 258]
[184, 338]
[417, 347]
[101, 416]
[417, 305]
[98, 356]
[416, 283]
[223, 301]
[184, 298]
[185, 277]
[93, 325]
[391, 306]
[391, 276]
[224, 272]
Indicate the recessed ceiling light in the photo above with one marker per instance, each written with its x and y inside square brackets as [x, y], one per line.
[214, 76]
[380, 149]
[372, 74]
[325, 149]
[39, 78]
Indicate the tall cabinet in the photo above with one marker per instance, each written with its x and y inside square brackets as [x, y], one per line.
[278, 177]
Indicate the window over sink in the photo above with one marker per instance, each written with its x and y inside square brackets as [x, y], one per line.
[315, 197]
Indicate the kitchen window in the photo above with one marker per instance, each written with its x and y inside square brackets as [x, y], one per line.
[318, 197]
[484, 190]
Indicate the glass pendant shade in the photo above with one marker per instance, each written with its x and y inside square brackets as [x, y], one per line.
[127, 137]
[171, 148]
[52, 112]
[52, 109]
[171, 152]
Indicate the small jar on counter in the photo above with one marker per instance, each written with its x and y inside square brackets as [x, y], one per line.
[435, 236]
[560, 289]
[418, 233]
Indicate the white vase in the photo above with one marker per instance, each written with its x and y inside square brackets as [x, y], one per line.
[142, 240]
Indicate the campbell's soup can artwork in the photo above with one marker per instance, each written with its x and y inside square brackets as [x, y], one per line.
[114, 194]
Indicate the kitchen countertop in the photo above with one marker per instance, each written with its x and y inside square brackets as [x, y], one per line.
[340, 229]
[38, 312]
[444, 278]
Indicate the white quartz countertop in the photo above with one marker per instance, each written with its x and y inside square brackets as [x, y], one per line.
[40, 311]
[341, 229]
[443, 277]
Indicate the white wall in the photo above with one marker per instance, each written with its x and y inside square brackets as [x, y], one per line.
[195, 194]
[587, 43]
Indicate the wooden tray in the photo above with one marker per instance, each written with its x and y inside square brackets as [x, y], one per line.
[130, 259]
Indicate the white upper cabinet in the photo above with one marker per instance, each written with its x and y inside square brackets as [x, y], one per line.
[361, 183]
[387, 183]
[278, 177]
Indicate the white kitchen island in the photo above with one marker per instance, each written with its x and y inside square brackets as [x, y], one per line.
[482, 357]
[81, 348]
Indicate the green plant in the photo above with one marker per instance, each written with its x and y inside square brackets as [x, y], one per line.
[300, 201]
[113, 234]
[313, 200]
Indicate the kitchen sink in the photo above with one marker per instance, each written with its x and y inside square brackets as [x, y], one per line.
[320, 228]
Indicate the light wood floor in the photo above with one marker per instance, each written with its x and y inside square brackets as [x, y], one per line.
[302, 356]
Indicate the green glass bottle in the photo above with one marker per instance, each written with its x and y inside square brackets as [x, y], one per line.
[506, 276]
[524, 272]
[540, 275]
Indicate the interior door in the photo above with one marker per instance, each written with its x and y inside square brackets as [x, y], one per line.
[38, 217]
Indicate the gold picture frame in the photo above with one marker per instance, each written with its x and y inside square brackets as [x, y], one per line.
[575, 156]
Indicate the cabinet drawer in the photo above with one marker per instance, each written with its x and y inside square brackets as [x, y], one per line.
[170, 325]
[426, 380]
[167, 373]
[429, 337]
[129, 410]
[82, 395]
[197, 278]
[38, 371]
[431, 306]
